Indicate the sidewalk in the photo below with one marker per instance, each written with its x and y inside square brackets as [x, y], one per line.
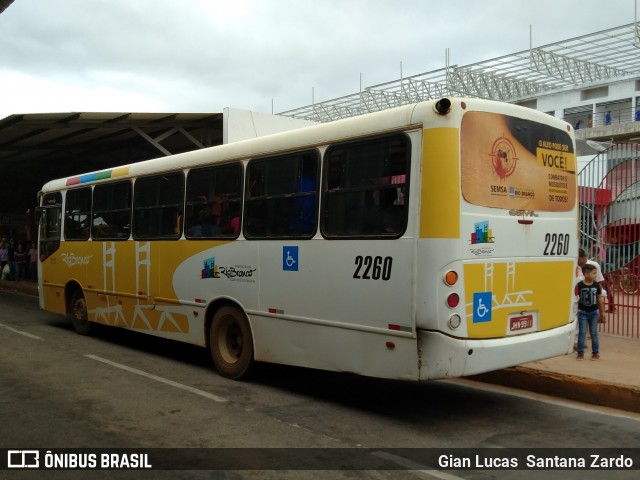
[612, 381]
[30, 288]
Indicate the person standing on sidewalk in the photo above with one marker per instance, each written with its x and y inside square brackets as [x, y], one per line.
[33, 262]
[4, 256]
[590, 309]
[583, 260]
[12, 263]
[20, 259]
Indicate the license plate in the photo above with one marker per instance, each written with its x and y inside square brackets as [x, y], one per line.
[522, 322]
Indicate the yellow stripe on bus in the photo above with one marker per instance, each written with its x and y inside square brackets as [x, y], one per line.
[440, 197]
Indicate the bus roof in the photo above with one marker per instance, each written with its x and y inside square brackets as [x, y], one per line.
[393, 119]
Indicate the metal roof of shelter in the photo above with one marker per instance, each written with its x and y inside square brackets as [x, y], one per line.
[38, 147]
[592, 59]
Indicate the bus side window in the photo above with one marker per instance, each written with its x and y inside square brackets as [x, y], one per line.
[366, 188]
[282, 196]
[77, 212]
[158, 206]
[50, 225]
[111, 211]
[214, 202]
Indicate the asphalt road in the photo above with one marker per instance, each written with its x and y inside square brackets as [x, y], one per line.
[120, 389]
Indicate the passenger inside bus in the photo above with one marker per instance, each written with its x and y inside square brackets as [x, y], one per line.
[302, 217]
[232, 227]
[206, 220]
[75, 229]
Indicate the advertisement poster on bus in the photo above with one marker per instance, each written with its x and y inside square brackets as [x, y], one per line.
[513, 163]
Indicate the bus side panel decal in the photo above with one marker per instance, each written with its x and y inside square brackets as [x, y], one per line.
[440, 196]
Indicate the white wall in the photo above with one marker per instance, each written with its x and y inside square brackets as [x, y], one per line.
[557, 102]
[244, 124]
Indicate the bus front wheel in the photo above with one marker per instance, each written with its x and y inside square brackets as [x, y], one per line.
[231, 343]
[79, 315]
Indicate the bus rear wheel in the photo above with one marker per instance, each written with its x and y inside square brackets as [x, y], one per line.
[231, 343]
[79, 315]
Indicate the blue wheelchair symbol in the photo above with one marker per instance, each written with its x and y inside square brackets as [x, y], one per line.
[290, 259]
[482, 307]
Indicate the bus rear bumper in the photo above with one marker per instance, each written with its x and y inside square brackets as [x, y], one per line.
[443, 356]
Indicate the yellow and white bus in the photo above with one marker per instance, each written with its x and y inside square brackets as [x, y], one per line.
[427, 241]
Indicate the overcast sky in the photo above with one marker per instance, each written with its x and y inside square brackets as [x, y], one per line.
[204, 55]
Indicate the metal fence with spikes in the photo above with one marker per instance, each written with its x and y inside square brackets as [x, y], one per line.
[609, 195]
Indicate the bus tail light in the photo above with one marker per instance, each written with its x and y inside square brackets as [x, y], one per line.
[451, 278]
[453, 300]
[454, 321]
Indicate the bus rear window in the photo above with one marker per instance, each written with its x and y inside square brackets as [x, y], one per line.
[512, 163]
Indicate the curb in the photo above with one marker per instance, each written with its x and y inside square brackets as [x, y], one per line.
[586, 390]
[30, 288]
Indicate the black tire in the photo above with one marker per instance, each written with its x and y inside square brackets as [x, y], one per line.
[78, 313]
[231, 343]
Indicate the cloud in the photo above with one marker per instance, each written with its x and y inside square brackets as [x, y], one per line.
[30, 94]
[203, 55]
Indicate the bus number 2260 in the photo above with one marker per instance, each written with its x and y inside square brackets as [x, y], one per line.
[373, 268]
[557, 244]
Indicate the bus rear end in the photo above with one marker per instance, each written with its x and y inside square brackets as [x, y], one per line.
[498, 239]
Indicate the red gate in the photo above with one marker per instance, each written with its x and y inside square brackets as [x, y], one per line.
[609, 195]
